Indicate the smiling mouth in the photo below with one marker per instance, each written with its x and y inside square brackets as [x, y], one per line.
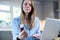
[27, 9]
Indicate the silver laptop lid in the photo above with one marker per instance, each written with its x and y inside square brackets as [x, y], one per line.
[51, 29]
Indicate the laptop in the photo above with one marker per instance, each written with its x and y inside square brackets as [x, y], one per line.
[51, 29]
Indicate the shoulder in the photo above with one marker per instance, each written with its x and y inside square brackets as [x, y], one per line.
[37, 19]
[15, 20]
[37, 23]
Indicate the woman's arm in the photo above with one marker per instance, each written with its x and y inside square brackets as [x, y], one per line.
[17, 34]
[38, 33]
[38, 29]
[14, 26]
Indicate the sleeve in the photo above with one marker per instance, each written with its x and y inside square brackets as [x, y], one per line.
[38, 27]
[14, 26]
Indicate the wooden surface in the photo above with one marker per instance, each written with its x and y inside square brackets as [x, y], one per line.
[58, 38]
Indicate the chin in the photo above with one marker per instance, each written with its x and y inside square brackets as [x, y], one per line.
[27, 11]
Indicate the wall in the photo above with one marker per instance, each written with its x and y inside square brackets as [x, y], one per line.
[45, 9]
[11, 3]
[38, 8]
[59, 7]
[5, 35]
[48, 10]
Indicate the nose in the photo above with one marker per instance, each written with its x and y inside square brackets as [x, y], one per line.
[27, 6]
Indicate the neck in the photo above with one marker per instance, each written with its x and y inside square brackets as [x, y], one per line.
[29, 23]
[26, 15]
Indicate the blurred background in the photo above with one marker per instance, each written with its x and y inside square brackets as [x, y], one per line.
[12, 8]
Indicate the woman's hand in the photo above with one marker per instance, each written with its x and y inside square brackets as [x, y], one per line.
[23, 34]
[36, 36]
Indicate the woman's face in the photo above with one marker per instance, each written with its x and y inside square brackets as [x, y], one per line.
[27, 6]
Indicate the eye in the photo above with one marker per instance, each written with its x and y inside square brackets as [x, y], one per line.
[29, 4]
[25, 4]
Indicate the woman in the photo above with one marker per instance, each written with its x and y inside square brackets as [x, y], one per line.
[30, 22]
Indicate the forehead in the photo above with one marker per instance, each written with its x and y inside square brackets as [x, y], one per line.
[27, 1]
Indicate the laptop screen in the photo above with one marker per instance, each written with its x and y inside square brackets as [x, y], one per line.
[51, 29]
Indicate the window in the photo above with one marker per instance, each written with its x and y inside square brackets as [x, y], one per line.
[16, 12]
[5, 7]
[6, 14]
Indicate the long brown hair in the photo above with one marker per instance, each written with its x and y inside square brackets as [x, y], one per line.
[31, 15]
